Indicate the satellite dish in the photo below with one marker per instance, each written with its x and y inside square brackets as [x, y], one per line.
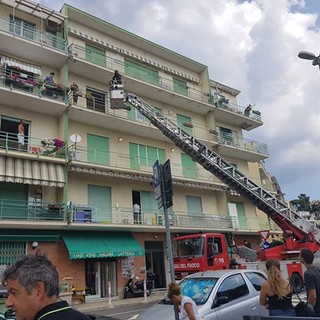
[75, 138]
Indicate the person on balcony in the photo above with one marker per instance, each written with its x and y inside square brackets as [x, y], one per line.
[48, 84]
[21, 135]
[75, 92]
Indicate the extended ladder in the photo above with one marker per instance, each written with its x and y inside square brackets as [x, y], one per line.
[277, 210]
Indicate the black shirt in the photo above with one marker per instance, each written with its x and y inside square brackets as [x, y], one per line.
[312, 281]
[60, 310]
[280, 304]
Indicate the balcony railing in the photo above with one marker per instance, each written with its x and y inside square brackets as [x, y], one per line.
[79, 52]
[40, 147]
[31, 210]
[45, 39]
[243, 143]
[31, 85]
[76, 213]
[116, 160]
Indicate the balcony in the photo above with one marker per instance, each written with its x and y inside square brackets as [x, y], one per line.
[246, 149]
[84, 217]
[123, 165]
[36, 96]
[31, 147]
[160, 88]
[33, 211]
[27, 42]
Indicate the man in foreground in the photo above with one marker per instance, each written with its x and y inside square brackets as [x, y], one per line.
[33, 289]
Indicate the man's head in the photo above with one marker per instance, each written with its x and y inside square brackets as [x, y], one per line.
[52, 74]
[32, 283]
[306, 256]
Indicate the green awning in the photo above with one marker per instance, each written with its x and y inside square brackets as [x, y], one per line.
[84, 245]
[28, 235]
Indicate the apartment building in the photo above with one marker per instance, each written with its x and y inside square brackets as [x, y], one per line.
[69, 185]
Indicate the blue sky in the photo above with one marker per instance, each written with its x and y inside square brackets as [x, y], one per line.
[253, 47]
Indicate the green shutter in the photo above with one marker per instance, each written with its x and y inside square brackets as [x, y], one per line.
[241, 215]
[189, 167]
[134, 155]
[99, 198]
[13, 200]
[184, 119]
[162, 156]
[152, 155]
[180, 86]
[141, 72]
[98, 149]
[95, 55]
[11, 251]
[148, 202]
[194, 206]
[143, 157]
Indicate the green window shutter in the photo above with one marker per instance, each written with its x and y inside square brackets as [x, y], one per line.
[11, 251]
[99, 198]
[180, 86]
[143, 157]
[189, 167]
[14, 200]
[241, 215]
[181, 119]
[134, 155]
[95, 55]
[194, 206]
[152, 155]
[98, 149]
[162, 156]
[148, 202]
[141, 72]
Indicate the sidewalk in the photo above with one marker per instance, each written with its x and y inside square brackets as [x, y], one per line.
[115, 302]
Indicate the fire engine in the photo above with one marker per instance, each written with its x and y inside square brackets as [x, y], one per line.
[210, 251]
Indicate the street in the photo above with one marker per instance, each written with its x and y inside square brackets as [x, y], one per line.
[123, 312]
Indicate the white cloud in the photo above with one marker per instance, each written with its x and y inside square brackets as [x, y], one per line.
[252, 46]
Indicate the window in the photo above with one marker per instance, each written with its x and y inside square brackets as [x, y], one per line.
[141, 72]
[96, 100]
[233, 287]
[194, 206]
[141, 155]
[22, 28]
[98, 149]
[189, 167]
[180, 86]
[95, 55]
[184, 123]
[256, 279]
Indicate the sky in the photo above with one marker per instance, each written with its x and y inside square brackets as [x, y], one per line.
[251, 46]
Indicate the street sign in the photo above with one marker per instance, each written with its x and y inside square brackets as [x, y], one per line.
[167, 183]
[157, 180]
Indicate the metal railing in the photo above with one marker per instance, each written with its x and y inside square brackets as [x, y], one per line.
[32, 85]
[31, 210]
[40, 147]
[43, 38]
[243, 143]
[117, 215]
[125, 161]
[80, 52]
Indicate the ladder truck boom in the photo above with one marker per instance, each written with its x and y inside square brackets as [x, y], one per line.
[286, 218]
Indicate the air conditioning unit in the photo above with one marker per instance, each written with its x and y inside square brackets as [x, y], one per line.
[51, 26]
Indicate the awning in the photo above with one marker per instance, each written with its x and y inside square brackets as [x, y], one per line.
[86, 245]
[29, 235]
[21, 65]
[31, 172]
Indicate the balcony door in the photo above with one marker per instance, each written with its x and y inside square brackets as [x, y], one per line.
[98, 149]
[99, 199]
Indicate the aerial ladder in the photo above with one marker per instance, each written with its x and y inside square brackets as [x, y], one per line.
[301, 230]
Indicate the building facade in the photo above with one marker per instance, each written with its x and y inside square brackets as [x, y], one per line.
[76, 175]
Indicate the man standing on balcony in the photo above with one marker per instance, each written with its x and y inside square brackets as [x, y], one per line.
[117, 78]
[136, 214]
[21, 135]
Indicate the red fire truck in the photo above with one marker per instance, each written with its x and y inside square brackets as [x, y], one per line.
[210, 251]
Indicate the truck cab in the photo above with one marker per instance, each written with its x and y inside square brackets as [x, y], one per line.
[199, 252]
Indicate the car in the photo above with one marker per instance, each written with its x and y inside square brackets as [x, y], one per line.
[8, 315]
[3, 292]
[219, 295]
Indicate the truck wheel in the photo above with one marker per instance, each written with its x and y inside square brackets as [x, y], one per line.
[297, 282]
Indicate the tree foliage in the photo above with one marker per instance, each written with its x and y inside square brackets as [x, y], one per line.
[302, 203]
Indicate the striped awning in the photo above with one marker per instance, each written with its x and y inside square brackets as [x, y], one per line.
[21, 65]
[31, 172]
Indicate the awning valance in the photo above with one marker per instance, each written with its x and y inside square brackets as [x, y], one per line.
[29, 235]
[21, 65]
[31, 172]
[86, 245]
